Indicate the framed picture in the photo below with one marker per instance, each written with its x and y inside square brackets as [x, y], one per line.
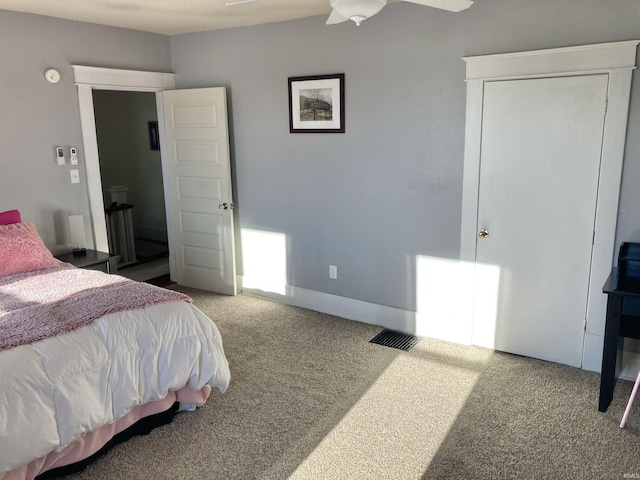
[154, 137]
[316, 104]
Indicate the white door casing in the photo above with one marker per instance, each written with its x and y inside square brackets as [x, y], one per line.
[88, 79]
[196, 147]
[613, 60]
[540, 159]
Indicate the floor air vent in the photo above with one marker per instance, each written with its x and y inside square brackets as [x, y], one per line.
[393, 339]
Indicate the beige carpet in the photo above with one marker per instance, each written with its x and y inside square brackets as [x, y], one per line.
[310, 398]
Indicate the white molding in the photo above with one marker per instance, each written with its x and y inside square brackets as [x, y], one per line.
[592, 352]
[119, 79]
[366, 312]
[88, 79]
[408, 321]
[92, 168]
[617, 60]
[166, 182]
[592, 357]
[358, 310]
[613, 144]
[567, 60]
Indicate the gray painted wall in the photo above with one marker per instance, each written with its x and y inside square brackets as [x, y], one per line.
[126, 158]
[368, 201]
[389, 189]
[36, 116]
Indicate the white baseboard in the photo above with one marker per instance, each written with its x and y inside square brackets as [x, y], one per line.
[592, 356]
[630, 365]
[388, 317]
[592, 352]
[366, 312]
[435, 324]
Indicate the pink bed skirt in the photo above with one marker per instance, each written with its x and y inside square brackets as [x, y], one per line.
[89, 444]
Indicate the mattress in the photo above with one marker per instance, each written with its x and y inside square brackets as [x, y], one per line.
[57, 390]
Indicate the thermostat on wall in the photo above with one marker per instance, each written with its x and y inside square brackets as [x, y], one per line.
[60, 156]
[73, 156]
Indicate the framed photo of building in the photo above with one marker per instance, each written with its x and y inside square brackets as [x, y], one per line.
[316, 104]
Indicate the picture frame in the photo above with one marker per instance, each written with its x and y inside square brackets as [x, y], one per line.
[316, 104]
[154, 136]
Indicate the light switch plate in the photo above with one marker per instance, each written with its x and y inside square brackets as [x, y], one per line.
[75, 176]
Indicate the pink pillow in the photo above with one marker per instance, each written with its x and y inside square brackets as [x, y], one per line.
[10, 216]
[22, 250]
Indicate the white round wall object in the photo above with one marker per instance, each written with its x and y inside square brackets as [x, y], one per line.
[52, 75]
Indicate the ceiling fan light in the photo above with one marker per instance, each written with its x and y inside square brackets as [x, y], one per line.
[357, 19]
[357, 10]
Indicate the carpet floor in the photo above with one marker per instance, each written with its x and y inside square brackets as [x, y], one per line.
[311, 398]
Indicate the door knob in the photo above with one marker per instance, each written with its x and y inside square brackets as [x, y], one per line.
[483, 233]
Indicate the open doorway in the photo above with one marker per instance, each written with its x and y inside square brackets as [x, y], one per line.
[132, 189]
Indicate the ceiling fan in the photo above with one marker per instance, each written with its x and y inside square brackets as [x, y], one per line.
[359, 10]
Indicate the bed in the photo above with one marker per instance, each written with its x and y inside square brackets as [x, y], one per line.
[85, 357]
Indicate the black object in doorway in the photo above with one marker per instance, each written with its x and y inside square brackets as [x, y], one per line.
[393, 339]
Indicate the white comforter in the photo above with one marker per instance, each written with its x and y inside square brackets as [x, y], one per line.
[55, 390]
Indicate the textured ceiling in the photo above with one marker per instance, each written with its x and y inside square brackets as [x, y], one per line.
[170, 17]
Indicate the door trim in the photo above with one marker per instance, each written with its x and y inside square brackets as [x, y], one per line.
[88, 79]
[617, 60]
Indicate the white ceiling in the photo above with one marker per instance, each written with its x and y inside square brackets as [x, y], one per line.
[170, 17]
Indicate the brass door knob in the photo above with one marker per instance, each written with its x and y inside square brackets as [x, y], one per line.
[483, 233]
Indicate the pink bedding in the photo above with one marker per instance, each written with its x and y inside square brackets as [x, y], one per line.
[22, 250]
[38, 305]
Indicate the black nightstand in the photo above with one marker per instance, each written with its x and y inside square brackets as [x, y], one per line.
[93, 260]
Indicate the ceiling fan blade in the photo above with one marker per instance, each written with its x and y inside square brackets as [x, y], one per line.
[450, 5]
[335, 17]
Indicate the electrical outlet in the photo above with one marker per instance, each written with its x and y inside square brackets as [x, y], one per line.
[333, 271]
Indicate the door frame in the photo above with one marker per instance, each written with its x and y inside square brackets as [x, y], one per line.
[617, 60]
[88, 79]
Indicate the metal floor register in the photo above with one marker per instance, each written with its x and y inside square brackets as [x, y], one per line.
[393, 339]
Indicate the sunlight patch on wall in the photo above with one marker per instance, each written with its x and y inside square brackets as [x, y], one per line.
[444, 298]
[485, 310]
[264, 260]
[446, 305]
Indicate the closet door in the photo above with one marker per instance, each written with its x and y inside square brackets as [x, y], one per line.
[541, 145]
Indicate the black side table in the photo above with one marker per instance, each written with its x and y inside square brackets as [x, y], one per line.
[93, 260]
[623, 320]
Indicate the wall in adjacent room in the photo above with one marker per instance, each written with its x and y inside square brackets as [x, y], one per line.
[126, 158]
[37, 116]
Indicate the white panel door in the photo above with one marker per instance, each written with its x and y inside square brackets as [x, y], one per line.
[539, 172]
[199, 175]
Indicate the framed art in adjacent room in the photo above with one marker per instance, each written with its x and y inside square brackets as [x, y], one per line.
[154, 137]
[316, 104]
